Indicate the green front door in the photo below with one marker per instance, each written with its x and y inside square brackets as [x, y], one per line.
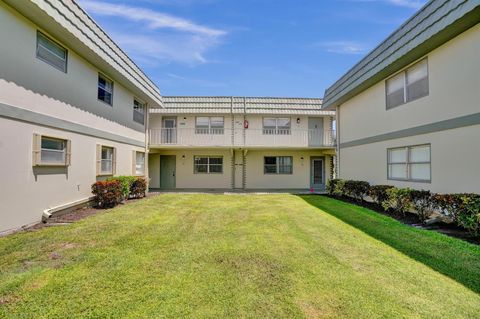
[167, 171]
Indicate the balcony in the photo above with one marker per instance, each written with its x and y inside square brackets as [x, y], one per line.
[219, 137]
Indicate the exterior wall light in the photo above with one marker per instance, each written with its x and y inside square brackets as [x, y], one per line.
[298, 120]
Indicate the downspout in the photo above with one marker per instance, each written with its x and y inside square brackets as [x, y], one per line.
[337, 116]
[232, 150]
[244, 153]
[147, 142]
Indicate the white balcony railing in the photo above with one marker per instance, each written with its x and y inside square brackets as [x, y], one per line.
[242, 138]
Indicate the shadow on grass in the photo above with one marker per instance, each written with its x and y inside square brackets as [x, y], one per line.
[452, 257]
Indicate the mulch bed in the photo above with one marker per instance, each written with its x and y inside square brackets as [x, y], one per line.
[78, 214]
[411, 219]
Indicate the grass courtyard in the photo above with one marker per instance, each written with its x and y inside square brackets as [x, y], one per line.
[238, 256]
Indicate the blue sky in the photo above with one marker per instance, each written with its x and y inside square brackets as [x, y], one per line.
[290, 48]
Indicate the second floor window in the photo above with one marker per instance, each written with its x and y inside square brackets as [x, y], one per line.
[408, 85]
[51, 52]
[105, 90]
[209, 125]
[138, 112]
[276, 126]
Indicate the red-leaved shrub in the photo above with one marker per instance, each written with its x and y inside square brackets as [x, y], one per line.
[107, 193]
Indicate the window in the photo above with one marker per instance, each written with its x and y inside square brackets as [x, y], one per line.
[209, 125]
[50, 151]
[138, 112]
[139, 161]
[278, 165]
[105, 89]
[51, 52]
[411, 163]
[408, 85]
[106, 160]
[276, 126]
[208, 164]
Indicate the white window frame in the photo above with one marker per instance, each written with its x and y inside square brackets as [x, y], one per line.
[208, 165]
[139, 105]
[107, 80]
[210, 130]
[276, 130]
[405, 84]
[55, 43]
[136, 164]
[38, 151]
[277, 166]
[408, 163]
[101, 160]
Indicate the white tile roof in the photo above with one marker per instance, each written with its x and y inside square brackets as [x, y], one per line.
[241, 105]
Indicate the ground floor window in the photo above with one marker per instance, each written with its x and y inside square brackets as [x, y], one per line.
[106, 160]
[278, 165]
[410, 163]
[139, 163]
[208, 164]
[51, 151]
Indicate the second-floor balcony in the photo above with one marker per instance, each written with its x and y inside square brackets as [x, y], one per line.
[221, 137]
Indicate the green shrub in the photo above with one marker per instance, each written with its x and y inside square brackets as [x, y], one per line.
[469, 215]
[138, 188]
[107, 193]
[356, 189]
[422, 203]
[331, 184]
[126, 182]
[379, 193]
[463, 209]
[447, 204]
[339, 189]
[399, 200]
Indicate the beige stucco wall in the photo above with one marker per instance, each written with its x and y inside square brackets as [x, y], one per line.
[454, 82]
[30, 83]
[185, 177]
[300, 179]
[253, 135]
[455, 161]
[255, 177]
[255, 121]
[26, 191]
[454, 85]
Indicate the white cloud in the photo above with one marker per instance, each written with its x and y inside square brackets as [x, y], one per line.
[153, 37]
[414, 4]
[343, 47]
[154, 19]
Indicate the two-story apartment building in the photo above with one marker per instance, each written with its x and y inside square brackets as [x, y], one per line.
[242, 143]
[408, 114]
[73, 109]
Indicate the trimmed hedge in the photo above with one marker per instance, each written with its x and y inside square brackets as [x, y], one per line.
[138, 188]
[379, 193]
[462, 209]
[398, 199]
[114, 190]
[108, 194]
[357, 189]
[132, 186]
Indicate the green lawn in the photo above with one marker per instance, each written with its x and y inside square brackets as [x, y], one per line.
[240, 256]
